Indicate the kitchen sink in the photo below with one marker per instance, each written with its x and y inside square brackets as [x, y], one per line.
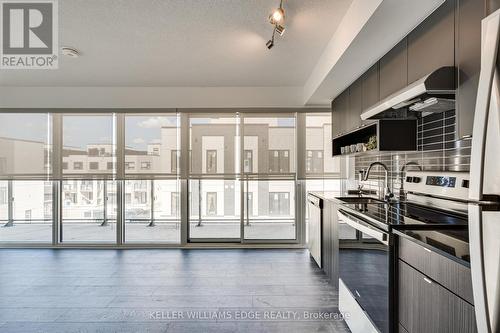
[360, 200]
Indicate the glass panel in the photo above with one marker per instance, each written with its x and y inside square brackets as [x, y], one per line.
[25, 144]
[88, 151]
[215, 208]
[152, 219]
[270, 209]
[4, 202]
[214, 144]
[31, 212]
[318, 154]
[151, 144]
[269, 144]
[84, 217]
[137, 201]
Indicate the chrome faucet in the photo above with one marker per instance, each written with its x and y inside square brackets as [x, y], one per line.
[387, 191]
[401, 173]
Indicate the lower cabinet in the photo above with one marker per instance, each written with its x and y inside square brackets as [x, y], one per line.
[426, 307]
[329, 245]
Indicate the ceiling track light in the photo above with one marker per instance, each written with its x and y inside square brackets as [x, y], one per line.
[277, 19]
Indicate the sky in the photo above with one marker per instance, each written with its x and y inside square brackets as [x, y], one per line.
[80, 130]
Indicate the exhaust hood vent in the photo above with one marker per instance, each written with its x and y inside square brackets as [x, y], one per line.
[434, 92]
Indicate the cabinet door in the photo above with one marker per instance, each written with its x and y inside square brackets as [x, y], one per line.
[329, 237]
[492, 5]
[370, 87]
[394, 70]
[468, 53]
[431, 45]
[343, 111]
[336, 123]
[355, 104]
[427, 307]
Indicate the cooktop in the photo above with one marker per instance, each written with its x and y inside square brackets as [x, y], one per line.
[406, 214]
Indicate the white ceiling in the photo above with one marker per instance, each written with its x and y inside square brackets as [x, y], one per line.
[211, 53]
[186, 43]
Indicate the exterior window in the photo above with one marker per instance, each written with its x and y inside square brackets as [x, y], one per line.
[109, 165]
[248, 161]
[314, 161]
[279, 203]
[93, 152]
[129, 165]
[94, 165]
[86, 186]
[88, 197]
[211, 161]
[279, 161]
[211, 203]
[78, 165]
[70, 198]
[174, 203]
[145, 165]
[140, 184]
[65, 165]
[174, 161]
[141, 197]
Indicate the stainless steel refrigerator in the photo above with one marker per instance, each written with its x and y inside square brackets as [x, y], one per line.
[484, 187]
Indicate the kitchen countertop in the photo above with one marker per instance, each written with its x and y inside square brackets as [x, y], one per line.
[452, 243]
[334, 196]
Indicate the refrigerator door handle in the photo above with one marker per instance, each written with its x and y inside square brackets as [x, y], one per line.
[489, 45]
[477, 268]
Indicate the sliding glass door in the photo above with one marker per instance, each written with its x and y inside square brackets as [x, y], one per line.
[152, 184]
[25, 172]
[269, 173]
[214, 185]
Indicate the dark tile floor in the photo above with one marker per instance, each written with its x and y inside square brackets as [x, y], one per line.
[43, 290]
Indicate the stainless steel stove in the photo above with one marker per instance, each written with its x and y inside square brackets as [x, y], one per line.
[434, 212]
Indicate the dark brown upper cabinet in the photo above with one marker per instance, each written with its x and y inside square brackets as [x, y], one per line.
[468, 57]
[394, 70]
[355, 105]
[431, 45]
[335, 118]
[370, 87]
[492, 5]
[340, 113]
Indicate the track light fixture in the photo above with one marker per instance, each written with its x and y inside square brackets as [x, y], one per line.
[277, 19]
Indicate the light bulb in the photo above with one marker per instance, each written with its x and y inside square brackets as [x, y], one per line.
[277, 16]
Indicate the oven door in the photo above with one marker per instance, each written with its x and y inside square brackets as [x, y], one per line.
[364, 270]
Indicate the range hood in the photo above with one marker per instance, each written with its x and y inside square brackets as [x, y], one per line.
[434, 92]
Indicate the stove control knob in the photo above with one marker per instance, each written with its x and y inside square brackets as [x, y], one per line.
[409, 179]
[416, 179]
[465, 183]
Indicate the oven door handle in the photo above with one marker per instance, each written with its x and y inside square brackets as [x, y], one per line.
[364, 227]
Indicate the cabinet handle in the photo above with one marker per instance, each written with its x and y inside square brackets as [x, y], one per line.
[427, 280]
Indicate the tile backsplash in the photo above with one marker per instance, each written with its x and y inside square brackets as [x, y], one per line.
[437, 150]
